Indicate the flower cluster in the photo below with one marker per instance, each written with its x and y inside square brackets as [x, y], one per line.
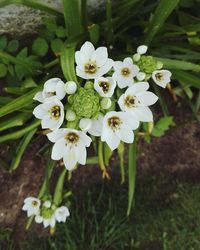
[110, 102]
[45, 212]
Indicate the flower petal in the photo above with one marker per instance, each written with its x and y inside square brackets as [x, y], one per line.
[56, 135]
[143, 114]
[137, 87]
[146, 98]
[100, 55]
[38, 97]
[58, 150]
[39, 111]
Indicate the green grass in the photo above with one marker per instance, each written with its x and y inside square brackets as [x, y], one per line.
[166, 216]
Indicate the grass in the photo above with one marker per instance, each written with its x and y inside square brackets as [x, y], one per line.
[166, 216]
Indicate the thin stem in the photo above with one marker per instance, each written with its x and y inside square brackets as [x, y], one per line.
[101, 161]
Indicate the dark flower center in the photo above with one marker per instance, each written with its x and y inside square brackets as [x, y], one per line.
[72, 138]
[90, 68]
[55, 112]
[130, 101]
[105, 86]
[114, 122]
[159, 76]
[125, 71]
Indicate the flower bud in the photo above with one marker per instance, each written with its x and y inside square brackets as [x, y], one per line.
[70, 115]
[85, 124]
[141, 76]
[89, 85]
[159, 65]
[136, 57]
[70, 87]
[47, 204]
[142, 49]
[106, 103]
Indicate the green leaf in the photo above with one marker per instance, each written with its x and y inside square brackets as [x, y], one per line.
[132, 154]
[61, 32]
[3, 42]
[50, 23]
[94, 33]
[21, 149]
[18, 134]
[3, 70]
[57, 45]
[187, 78]
[163, 10]
[40, 47]
[13, 46]
[57, 198]
[178, 64]
[67, 62]
[19, 102]
[15, 121]
[73, 17]
[162, 126]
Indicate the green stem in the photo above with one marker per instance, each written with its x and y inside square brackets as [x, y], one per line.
[101, 160]
[51, 64]
[120, 151]
[131, 174]
[57, 199]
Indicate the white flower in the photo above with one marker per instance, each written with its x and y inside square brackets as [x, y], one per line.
[105, 86]
[51, 221]
[70, 87]
[70, 115]
[96, 127]
[70, 144]
[125, 72]
[61, 214]
[32, 206]
[118, 126]
[52, 87]
[51, 112]
[142, 49]
[47, 204]
[92, 63]
[161, 77]
[136, 100]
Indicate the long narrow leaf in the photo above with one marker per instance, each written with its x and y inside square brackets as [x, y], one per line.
[187, 78]
[19, 133]
[21, 149]
[19, 102]
[132, 154]
[163, 10]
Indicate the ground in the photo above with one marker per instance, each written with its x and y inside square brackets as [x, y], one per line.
[168, 172]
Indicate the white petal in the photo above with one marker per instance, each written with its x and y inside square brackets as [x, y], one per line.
[39, 111]
[52, 222]
[127, 62]
[85, 139]
[46, 222]
[96, 128]
[82, 74]
[100, 55]
[82, 154]
[58, 150]
[147, 98]
[38, 219]
[50, 85]
[121, 102]
[117, 65]
[130, 120]
[111, 139]
[60, 91]
[137, 87]
[142, 49]
[86, 50]
[143, 114]
[25, 207]
[70, 157]
[38, 97]
[56, 135]
[104, 69]
[126, 134]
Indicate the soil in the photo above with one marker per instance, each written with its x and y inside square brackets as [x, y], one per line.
[175, 154]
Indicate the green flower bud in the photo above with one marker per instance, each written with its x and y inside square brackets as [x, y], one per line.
[89, 85]
[85, 103]
[159, 65]
[46, 213]
[70, 115]
[106, 103]
[136, 57]
[147, 64]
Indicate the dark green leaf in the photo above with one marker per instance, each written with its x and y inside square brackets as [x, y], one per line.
[61, 32]
[13, 46]
[3, 42]
[3, 70]
[57, 45]
[40, 47]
